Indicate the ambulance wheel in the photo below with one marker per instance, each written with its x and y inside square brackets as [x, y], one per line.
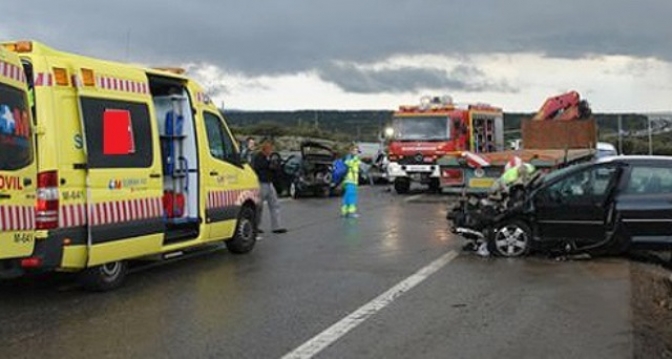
[104, 277]
[245, 236]
[402, 186]
[512, 239]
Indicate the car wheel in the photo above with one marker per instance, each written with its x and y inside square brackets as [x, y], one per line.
[513, 239]
[104, 277]
[402, 186]
[245, 236]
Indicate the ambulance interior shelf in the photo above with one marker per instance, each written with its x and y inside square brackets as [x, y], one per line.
[178, 154]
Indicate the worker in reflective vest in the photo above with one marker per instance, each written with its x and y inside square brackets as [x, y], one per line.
[349, 205]
[516, 174]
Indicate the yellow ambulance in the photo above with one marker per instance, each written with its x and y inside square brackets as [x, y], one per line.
[18, 169]
[132, 163]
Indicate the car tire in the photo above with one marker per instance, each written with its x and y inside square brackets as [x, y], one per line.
[512, 239]
[245, 236]
[402, 186]
[104, 277]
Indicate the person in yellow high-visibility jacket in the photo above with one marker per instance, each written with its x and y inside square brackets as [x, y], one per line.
[514, 175]
[349, 204]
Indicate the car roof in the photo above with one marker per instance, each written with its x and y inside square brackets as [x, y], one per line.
[605, 146]
[638, 159]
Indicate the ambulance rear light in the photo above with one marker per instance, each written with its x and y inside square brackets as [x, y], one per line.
[88, 77]
[19, 46]
[46, 214]
[61, 76]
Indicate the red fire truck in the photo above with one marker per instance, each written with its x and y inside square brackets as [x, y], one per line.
[421, 134]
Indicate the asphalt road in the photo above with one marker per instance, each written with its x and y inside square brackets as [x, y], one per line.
[390, 284]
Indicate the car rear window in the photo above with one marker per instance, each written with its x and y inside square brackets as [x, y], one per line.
[649, 180]
[16, 143]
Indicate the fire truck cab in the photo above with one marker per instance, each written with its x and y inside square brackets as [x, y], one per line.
[419, 135]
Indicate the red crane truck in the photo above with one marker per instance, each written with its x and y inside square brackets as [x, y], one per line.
[561, 133]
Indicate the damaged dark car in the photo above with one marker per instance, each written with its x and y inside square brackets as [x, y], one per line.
[605, 207]
[312, 176]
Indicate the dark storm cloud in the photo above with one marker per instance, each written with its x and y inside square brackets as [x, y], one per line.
[284, 37]
[461, 78]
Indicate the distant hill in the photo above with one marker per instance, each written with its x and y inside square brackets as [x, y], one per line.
[366, 125]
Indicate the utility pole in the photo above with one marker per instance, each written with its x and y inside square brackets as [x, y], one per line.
[620, 134]
[650, 140]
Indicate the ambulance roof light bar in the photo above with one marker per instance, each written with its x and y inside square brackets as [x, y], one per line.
[174, 70]
[19, 46]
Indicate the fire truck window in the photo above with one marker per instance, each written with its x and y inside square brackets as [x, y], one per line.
[421, 128]
[118, 133]
[16, 144]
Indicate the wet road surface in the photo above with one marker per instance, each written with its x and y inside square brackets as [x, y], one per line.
[397, 268]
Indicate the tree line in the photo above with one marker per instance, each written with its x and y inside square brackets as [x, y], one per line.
[367, 126]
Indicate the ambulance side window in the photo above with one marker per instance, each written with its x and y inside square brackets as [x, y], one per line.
[118, 133]
[219, 141]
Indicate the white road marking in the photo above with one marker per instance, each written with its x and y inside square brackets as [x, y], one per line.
[338, 330]
[413, 198]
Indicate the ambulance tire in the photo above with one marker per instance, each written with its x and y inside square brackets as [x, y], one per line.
[104, 277]
[245, 236]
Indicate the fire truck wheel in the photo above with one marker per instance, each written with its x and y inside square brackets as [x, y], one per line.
[245, 236]
[512, 239]
[104, 277]
[434, 185]
[402, 186]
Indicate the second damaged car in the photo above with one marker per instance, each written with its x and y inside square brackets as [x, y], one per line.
[603, 207]
[313, 176]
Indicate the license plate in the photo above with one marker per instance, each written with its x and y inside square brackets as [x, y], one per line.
[418, 168]
[481, 182]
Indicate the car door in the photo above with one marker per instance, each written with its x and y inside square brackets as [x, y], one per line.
[18, 170]
[124, 186]
[223, 173]
[645, 205]
[577, 205]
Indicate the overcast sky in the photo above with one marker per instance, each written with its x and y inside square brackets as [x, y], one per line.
[366, 54]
